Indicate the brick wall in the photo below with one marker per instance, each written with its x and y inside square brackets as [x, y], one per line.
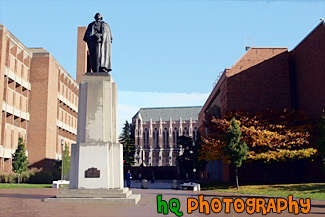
[260, 80]
[274, 78]
[81, 54]
[51, 131]
[14, 95]
[53, 107]
[37, 131]
[308, 64]
[2, 69]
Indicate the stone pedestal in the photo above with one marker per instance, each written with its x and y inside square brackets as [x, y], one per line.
[97, 158]
[96, 168]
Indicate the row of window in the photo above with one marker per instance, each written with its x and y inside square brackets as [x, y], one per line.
[18, 67]
[155, 160]
[165, 137]
[67, 118]
[16, 100]
[11, 136]
[68, 94]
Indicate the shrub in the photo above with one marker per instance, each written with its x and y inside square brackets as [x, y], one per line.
[3, 178]
[12, 178]
[41, 177]
[25, 176]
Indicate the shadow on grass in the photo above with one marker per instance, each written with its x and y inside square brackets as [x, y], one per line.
[308, 187]
[216, 185]
[311, 188]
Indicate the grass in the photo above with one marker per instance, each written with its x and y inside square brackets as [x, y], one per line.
[305, 190]
[24, 185]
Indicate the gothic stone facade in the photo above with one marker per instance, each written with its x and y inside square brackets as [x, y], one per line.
[156, 131]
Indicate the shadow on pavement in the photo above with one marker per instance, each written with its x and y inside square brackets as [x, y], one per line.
[26, 196]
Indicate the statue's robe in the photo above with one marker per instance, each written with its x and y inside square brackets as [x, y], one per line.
[100, 52]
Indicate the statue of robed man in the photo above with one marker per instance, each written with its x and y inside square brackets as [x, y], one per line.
[99, 38]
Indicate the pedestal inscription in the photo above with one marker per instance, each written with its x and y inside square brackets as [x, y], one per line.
[92, 173]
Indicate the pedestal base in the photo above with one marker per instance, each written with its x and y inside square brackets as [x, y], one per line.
[97, 158]
[110, 196]
[96, 166]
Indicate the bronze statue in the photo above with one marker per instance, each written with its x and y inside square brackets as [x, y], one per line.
[99, 38]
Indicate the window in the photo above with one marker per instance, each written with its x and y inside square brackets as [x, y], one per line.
[164, 139]
[174, 138]
[154, 139]
[144, 139]
[148, 139]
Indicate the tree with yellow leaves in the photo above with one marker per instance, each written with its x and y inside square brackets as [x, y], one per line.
[270, 136]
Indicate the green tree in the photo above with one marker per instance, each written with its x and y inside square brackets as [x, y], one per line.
[199, 164]
[235, 149]
[128, 145]
[321, 138]
[19, 159]
[186, 160]
[66, 161]
[190, 159]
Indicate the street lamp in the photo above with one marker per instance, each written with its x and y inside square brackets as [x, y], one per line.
[62, 144]
[194, 171]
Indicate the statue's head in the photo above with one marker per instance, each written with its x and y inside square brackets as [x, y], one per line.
[98, 17]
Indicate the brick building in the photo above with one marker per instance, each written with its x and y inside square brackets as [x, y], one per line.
[156, 131]
[272, 78]
[39, 103]
[15, 89]
[53, 109]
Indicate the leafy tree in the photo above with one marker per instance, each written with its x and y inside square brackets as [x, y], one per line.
[321, 137]
[189, 159]
[19, 159]
[271, 136]
[66, 161]
[199, 164]
[235, 150]
[128, 145]
[186, 160]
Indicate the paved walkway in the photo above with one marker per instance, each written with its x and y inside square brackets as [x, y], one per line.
[29, 202]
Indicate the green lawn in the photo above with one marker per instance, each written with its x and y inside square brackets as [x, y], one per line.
[305, 190]
[24, 185]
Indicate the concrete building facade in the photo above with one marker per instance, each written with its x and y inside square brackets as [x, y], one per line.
[156, 131]
[39, 102]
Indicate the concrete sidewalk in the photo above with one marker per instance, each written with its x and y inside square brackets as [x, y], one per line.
[29, 202]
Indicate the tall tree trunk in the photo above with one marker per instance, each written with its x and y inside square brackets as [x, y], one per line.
[18, 178]
[237, 178]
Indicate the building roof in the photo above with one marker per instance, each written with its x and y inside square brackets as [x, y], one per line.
[169, 112]
[39, 51]
[15, 39]
[320, 25]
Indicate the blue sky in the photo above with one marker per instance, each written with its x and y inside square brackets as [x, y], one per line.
[164, 53]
